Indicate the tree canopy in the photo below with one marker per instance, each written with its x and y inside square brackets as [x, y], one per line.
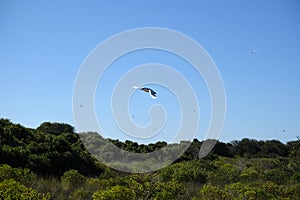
[50, 162]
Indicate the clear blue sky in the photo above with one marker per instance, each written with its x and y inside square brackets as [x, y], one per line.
[43, 43]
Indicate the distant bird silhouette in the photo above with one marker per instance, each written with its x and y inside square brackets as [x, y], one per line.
[151, 92]
[254, 51]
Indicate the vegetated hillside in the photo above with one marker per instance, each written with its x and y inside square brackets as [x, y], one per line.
[49, 150]
[51, 162]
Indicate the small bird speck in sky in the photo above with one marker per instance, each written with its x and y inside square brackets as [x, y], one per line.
[254, 51]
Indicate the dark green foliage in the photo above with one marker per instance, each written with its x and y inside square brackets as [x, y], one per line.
[223, 149]
[294, 147]
[253, 148]
[14, 134]
[47, 153]
[247, 147]
[55, 128]
[136, 148]
[273, 148]
[51, 162]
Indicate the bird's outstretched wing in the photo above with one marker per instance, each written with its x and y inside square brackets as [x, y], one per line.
[152, 94]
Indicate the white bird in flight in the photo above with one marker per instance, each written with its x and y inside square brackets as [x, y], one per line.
[151, 92]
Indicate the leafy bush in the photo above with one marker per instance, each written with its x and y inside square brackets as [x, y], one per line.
[168, 190]
[24, 176]
[72, 180]
[11, 189]
[115, 193]
[190, 171]
[55, 128]
[210, 192]
[224, 174]
[81, 195]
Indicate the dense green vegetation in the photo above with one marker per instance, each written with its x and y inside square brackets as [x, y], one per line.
[50, 162]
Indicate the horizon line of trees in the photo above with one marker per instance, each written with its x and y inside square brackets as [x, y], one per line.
[50, 162]
[54, 148]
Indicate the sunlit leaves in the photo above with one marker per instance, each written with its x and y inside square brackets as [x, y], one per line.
[115, 193]
[13, 190]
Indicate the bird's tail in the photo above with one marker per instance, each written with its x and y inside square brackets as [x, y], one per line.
[136, 87]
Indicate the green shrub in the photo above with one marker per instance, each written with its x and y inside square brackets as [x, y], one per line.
[168, 190]
[81, 195]
[211, 192]
[114, 193]
[244, 191]
[24, 176]
[13, 190]
[72, 180]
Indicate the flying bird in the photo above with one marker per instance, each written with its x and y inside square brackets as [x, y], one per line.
[151, 92]
[254, 51]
